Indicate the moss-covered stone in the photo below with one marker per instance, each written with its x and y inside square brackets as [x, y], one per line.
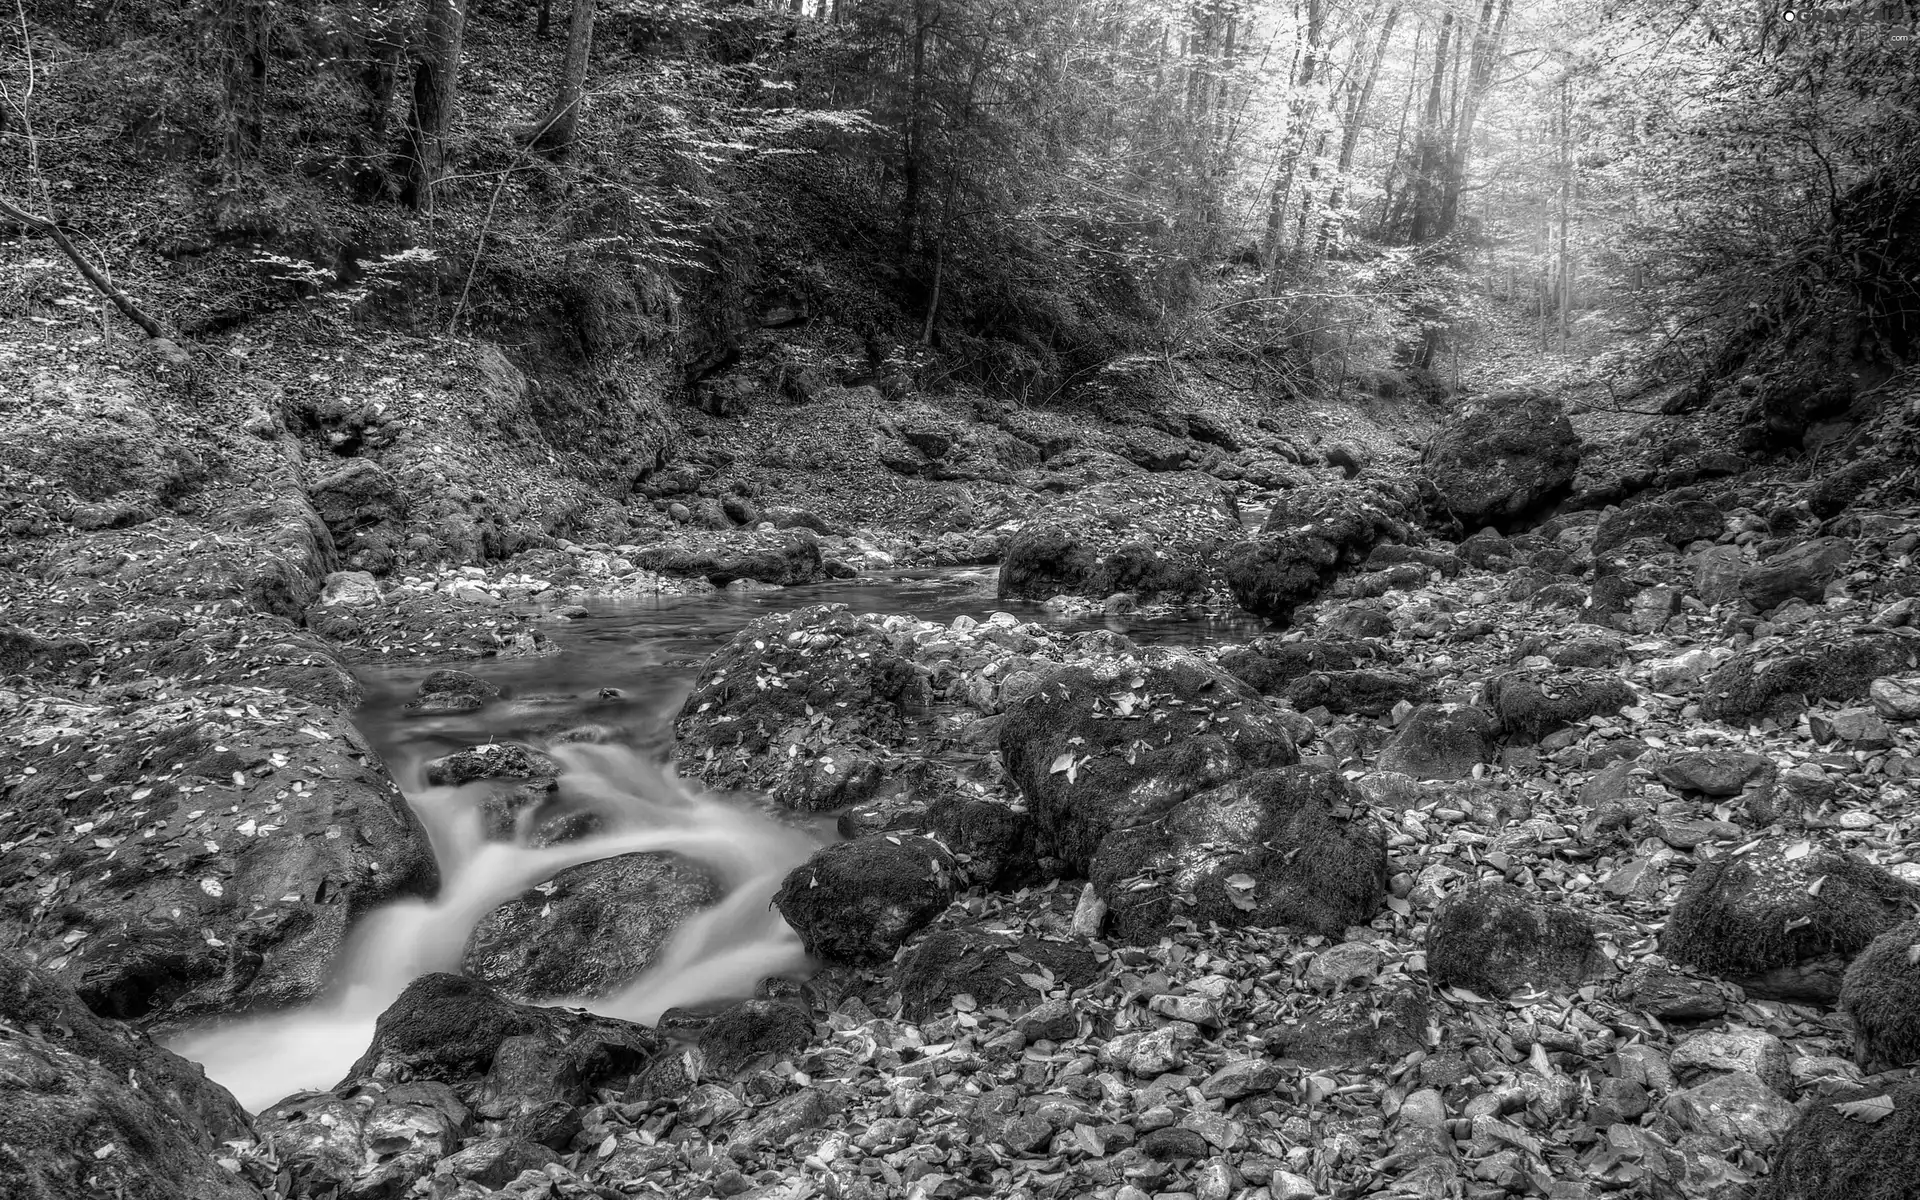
[1496, 939]
[1440, 741]
[858, 902]
[750, 1030]
[1751, 686]
[1827, 1155]
[987, 965]
[1531, 704]
[1881, 996]
[1757, 919]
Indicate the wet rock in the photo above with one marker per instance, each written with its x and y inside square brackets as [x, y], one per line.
[1802, 572]
[1310, 533]
[997, 838]
[1829, 1155]
[1753, 685]
[1679, 524]
[375, 1142]
[1880, 994]
[494, 1162]
[458, 1031]
[1531, 704]
[804, 1110]
[1503, 458]
[249, 893]
[988, 966]
[495, 760]
[589, 929]
[858, 902]
[1735, 1106]
[1757, 920]
[1157, 538]
[1119, 740]
[845, 696]
[1381, 1024]
[1268, 663]
[452, 691]
[750, 1031]
[88, 1107]
[366, 512]
[1715, 772]
[1496, 940]
[1440, 741]
[1280, 847]
[1367, 693]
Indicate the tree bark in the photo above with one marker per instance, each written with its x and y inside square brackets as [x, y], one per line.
[1487, 44]
[244, 32]
[1301, 110]
[562, 123]
[1432, 154]
[436, 91]
[1357, 102]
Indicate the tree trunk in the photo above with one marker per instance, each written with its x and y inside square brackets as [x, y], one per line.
[436, 91]
[910, 168]
[544, 28]
[244, 32]
[1357, 103]
[1302, 109]
[1487, 43]
[562, 122]
[1426, 194]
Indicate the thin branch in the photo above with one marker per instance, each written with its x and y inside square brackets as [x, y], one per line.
[85, 266]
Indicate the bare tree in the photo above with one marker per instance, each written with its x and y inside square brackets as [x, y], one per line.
[436, 90]
[561, 125]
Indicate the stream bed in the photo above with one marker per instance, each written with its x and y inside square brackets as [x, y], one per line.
[628, 667]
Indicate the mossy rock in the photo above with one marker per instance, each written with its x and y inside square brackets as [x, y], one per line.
[750, 1031]
[1757, 920]
[1828, 1155]
[1269, 663]
[1365, 692]
[1496, 939]
[858, 902]
[987, 965]
[1440, 741]
[1531, 704]
[1379, 1024]
[1750, 686]
[1881, 996]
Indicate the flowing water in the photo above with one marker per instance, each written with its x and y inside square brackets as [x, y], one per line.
[627, 668]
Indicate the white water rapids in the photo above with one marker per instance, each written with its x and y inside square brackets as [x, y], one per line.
[719, 953]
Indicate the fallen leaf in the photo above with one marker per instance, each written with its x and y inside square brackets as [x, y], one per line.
[1871, 1110]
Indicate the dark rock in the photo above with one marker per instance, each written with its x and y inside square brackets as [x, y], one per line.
[1880, 994]
[1757, 920]
[72, 1084]
[1159, 539]
[24, 652]
[786, 516]
[1174, 1143]
[751, 1030]
[1282, 847]
[807, 1109]
[1859, 728]
[450, 691]
[1379, 1024]
[1679, 525]
[495, 1162]
[1753, 685]
[1440, 741]
[1667, 995]
[366, 512]
[847, 696]
[1496, 939]
[1504, 458]
[1715, 772]
[1367, 693]
[1309, 534]
[996, 838]
[857, 902]
[1268, 663]
[1358, 621]
[1488, 551]
[495, 760]
[1828, 1155]
[589, 929]
[1588, 652]
[987, 965]
[1802, 572]
[793, 562]
[1531, 704]
[1089, 763]
[1433, 560]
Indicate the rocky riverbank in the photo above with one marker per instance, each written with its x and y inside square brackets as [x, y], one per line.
[1563, 857]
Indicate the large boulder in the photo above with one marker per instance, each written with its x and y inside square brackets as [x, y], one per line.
[214, 865]
[807, 706]
[1759, 920]
[1291, 846]
[1532, 703]
[376, 1141]
[1838, 1149]
[999, 970]
[1269, 663]
[1880, 994]
[1504, 458]
[89, 1107]
[1156, 537]
[1440, 741]
[1117, 740]
[1679, 524]
[589, 929]
[1311, 533]
[365, 511]
[1496, 939]
[858, 902]
[1801, 572]
[750, 1032]
[1757, 684]
[1365, 692]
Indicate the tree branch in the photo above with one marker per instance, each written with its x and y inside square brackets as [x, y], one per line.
[100, 282]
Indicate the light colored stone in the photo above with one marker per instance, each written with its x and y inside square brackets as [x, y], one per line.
[1736, 1105]
[1753, 1051]
[1897, 699]
[1346, 964]
[350, 588]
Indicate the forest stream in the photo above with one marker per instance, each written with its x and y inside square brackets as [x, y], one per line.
[645, 657]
